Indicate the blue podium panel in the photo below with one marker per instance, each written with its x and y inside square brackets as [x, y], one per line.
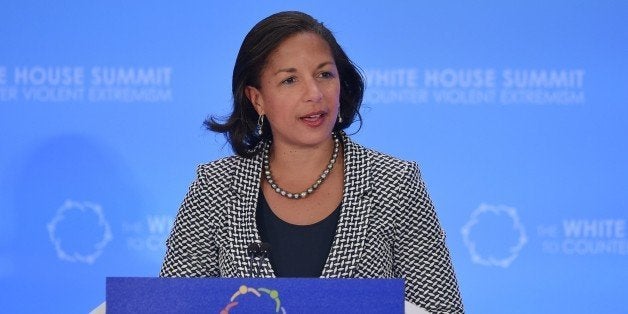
[254, 295]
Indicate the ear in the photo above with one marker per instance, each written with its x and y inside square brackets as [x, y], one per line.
[255, 97]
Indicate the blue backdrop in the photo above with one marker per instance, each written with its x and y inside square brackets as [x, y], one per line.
[515, 112]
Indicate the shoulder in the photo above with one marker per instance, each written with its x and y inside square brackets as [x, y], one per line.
[219, 166]
[233, 170]
[219, 172]
[381, 164]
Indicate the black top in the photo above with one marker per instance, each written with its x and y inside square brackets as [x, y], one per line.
[296, 251]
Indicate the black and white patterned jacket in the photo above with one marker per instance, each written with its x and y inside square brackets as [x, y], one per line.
[387, 227]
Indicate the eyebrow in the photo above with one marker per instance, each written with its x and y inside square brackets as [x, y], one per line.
[293, 70]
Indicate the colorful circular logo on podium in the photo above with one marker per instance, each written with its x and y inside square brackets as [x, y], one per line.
[259, 293]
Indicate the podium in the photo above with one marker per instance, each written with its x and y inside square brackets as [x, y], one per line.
[254, 295]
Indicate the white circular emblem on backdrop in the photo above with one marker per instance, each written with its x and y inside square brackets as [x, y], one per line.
[83, 208]
[504, 259]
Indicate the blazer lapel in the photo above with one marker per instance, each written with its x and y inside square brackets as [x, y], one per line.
[350, 235]
[243, 230]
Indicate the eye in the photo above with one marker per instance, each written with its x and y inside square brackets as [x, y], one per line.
[327, 74]
[289, 81]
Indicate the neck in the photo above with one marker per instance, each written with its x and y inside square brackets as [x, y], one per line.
[311, 158]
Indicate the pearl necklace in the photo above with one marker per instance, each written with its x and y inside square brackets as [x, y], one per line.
[313, 187]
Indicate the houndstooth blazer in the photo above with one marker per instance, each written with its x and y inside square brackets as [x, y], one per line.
[387, 228]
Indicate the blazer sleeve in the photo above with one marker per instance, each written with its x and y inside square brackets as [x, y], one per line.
[191, 249]
[420, 254]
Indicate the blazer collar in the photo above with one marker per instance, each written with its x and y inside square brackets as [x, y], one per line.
[350, 235]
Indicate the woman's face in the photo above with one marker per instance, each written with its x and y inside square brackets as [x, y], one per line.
[299, 91]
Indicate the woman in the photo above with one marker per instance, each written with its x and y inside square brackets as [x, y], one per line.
[327, 206]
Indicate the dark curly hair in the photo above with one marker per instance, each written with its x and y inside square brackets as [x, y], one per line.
[264, 38]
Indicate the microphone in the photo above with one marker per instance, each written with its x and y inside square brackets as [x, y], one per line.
[258, 251]
[253, 251]
[264, 253]
[264, 249]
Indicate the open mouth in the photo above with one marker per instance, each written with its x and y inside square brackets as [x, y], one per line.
[313, 117]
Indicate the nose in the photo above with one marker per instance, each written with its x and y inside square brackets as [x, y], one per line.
[313, 92]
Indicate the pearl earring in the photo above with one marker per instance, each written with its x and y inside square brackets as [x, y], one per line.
[260, 125]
